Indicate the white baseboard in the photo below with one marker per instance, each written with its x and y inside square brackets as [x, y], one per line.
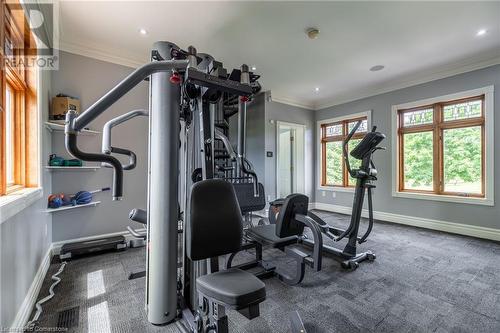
[452, 227]
[56, 246]
[22, 316]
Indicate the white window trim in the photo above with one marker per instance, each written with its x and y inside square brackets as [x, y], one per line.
[16, 202]
[488, 200]
[368, 115]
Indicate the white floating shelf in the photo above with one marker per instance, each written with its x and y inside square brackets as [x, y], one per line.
[72, 168]
[54, 210]
[60, 128]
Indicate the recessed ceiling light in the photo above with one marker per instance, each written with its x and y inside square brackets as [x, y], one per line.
[481, 32]
[143, 31]
[377, 68]
[254, 68]
[312, 33]
[316, 89]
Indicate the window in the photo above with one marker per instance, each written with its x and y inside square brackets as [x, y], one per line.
[332, 136]
[444, 149]
[18, 105]
[9, 135]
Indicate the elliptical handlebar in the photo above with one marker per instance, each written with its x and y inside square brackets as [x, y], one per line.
[344, 147]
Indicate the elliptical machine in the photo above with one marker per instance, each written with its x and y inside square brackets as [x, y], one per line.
[365, 176]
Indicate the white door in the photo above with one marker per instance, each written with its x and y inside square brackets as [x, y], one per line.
[289, 159]
[285, 165]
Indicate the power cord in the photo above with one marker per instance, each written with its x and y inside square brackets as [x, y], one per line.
[32, 323]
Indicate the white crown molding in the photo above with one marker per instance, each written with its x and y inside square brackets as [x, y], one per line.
[100, 54]
[451, 227]
[464, 66]
[291, 101]
[460, 67]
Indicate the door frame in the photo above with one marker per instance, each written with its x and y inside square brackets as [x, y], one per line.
[302, 127]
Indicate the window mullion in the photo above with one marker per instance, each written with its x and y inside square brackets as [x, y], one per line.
[3, 175]
[438, 150]
[17, 139]
[483, 158]
[323, 164]
[344, 169]
[401, 186]
[22, 136]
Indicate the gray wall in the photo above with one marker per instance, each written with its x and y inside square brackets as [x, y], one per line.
[261, 138]
[291, 114]
[26, 237]
[256, 141]
[88, 79]
[381, 116]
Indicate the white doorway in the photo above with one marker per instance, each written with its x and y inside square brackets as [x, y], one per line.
[289, 159]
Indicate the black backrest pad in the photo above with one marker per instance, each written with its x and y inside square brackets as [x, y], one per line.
[215, 226]
[286, 224]
[248, 202]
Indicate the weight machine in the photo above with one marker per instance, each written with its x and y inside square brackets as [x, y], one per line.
[184, 87]
[190, 95]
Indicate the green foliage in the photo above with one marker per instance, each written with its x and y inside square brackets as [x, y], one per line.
[334, 160]
[462, 159]
[418, 160]
[462, 155]
[334, 163]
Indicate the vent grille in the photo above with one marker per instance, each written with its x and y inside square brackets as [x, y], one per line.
[68, 318]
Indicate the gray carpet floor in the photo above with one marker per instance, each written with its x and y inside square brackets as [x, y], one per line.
[421, 281]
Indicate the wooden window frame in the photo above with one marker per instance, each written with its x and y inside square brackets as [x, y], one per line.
[324, 139]
[22, 81]
[437, 127]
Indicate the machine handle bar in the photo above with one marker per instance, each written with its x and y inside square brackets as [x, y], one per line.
[75, 122]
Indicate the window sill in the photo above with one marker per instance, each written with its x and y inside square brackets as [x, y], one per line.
[445, 198]
[336, 189]
[14, 203]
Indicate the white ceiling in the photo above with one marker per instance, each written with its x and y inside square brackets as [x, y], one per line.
[416, 41]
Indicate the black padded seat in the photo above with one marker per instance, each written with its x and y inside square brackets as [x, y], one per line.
[266, 234]
[233, 287]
